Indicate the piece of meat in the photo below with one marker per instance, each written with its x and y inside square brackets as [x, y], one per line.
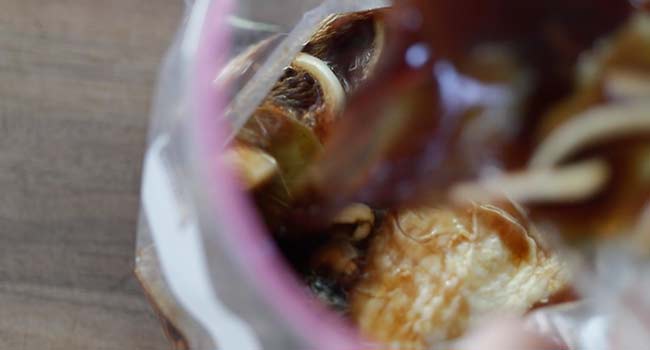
[431, 273]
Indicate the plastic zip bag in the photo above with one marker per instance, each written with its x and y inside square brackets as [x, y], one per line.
[207, 285]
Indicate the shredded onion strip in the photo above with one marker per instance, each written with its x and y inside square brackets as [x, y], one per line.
[627, 85]
[323, 74]
[591, 127]
[544, 181]
[569, 183]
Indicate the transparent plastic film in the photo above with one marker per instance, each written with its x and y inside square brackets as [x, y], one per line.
[363, 174]
[613, 312]
[219, 303]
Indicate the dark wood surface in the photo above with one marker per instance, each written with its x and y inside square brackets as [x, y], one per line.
[76, 77]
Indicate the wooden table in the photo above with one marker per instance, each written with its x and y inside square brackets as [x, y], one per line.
[76, 77]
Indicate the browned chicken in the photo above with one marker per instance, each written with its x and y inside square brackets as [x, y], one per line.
[432, 272]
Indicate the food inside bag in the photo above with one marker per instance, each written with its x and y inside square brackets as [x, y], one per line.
[428, 164]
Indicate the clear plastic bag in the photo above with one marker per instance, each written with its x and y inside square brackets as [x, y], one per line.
[215, 278]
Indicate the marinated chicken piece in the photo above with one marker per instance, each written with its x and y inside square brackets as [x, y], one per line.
[431, 273]
[312, 91]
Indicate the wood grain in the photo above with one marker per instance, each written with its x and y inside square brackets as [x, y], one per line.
[76, 77]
